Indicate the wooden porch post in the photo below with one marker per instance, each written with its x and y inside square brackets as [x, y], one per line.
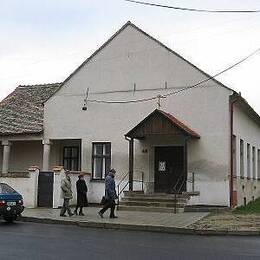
[186, 161]
[131, 163]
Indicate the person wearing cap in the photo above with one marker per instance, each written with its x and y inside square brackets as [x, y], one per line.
[110, 195]
[82, 190]
[66, 195]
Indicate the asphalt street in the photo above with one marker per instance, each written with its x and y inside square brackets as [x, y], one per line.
[43, 241]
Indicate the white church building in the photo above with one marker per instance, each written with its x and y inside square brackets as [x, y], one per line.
[134, 105]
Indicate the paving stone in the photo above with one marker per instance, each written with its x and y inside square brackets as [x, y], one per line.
[141, 219]
[230, 222]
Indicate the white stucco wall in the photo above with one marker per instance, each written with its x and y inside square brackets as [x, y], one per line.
[248, 130]
[27, 187]
[134, 58]
[24, 154]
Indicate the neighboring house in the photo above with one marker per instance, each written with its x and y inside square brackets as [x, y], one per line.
[21, 127]
[188, 137]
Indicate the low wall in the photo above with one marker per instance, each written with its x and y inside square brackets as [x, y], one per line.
[59, 174]
[211, 192]
[25, 183]
[246, 190]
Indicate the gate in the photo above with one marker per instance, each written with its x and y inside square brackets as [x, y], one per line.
[45, 189]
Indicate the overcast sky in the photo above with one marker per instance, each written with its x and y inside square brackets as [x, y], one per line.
[43, 41]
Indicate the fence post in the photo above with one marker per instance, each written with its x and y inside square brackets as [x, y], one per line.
[58, 173]
[33, 175]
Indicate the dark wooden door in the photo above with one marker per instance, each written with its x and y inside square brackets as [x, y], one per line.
[169, 166]
[45, 189]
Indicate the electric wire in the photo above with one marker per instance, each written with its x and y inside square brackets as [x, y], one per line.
[214, 76]
[192, 9]
[177, 91]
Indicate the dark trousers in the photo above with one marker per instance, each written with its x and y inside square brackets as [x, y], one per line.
[109, 204]
[80, 209]
[65, 207]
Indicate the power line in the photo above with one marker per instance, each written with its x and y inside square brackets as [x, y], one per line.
[216, 75]
[177, 91]
[193, 9]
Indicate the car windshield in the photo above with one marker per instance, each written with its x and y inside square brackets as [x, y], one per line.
[6, 189]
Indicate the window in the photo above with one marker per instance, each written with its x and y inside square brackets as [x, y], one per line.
[253, 162]
[6, 189]
[71, 158]
[234, 155]
[242, 158]
[248, 161]
[101, 160]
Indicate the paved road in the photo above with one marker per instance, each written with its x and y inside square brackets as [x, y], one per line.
[42, 241]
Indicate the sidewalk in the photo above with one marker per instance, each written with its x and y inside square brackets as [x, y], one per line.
[128, 220]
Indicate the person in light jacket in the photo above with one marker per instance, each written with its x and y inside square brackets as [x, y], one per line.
[110, 195]
[82, 190]
[66, 195]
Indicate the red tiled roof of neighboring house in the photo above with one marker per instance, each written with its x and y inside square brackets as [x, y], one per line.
[21, 112]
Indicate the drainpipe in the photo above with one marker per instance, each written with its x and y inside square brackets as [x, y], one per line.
[232, 101]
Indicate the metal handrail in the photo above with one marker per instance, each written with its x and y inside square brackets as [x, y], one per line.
[123, 178]
[119, 191]
[177, 191]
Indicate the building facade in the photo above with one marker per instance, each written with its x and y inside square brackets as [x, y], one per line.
[135, 105]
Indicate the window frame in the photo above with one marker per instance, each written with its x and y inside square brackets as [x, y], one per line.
[104, 157]
[249, 160]
[254, 162]
[70, 158]
[242, 158]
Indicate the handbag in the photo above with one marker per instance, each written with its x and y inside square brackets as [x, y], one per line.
[103, 200]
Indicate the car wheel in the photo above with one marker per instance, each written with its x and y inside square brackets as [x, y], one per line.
[9, 219]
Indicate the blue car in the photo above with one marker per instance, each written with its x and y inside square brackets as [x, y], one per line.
[11, 203]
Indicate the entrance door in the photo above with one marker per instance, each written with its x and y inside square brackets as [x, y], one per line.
[45, 189]
[169, 166]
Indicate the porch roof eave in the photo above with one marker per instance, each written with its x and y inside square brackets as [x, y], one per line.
[138, 131]
[22, 136]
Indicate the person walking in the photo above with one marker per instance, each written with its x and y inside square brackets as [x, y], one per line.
[66, 194]
[110, 195]
[82, 190]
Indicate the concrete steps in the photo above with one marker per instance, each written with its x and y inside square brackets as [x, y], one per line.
[157, 202]
[150, 209]
[152, 204]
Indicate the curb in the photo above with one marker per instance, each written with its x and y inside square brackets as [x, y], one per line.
[133, 227]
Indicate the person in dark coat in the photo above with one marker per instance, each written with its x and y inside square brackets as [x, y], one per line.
[82, 190]
[110, 195]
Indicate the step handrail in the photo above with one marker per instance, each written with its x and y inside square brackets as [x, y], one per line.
[182, 179]
[119, 191]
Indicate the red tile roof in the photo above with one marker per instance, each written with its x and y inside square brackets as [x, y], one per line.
[179, 124]
[173, 120]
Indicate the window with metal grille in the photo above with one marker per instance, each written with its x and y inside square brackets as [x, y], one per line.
[71, 158]
[101, 160]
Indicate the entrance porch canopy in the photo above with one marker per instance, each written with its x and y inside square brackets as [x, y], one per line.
[156, 123]
[160, 123]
